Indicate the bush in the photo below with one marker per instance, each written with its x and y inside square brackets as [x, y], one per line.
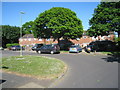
[11, 44]
[104, 45]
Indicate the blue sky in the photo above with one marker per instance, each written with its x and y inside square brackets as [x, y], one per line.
[11, 11]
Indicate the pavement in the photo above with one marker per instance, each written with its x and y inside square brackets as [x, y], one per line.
[85, 71]
[10, 80]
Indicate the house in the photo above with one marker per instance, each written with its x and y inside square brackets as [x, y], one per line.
[85, 39]
[28, 40]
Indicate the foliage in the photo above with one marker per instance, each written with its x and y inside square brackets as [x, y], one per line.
[117, 39]
[28, 27]
[37, 66]
[106, 18]
[105, 45]
[10, 34]
[13, 44]
[58, 22]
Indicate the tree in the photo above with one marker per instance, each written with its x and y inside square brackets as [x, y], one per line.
[10, 34]
[58, 22]
[106, 18]
[28, 27]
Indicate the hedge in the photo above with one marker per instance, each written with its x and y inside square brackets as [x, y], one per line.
[13, 44]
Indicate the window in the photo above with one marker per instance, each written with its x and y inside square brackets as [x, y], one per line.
[35, 39]
[84, 37]
[48, 39]
[40, 39]
[93, 38]
[109, 36]
[20, 40]
[29, 39]
[78, 38]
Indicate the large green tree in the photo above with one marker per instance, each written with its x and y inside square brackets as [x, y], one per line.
[58, 22]
[10, 34]
[106, 18]
[28, 27]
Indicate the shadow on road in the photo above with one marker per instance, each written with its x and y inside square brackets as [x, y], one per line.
[4, 67]
[113, 57]
[2, 81]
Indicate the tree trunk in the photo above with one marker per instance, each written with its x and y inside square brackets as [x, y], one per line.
[66, 39]
[58, 40]
[44, 40]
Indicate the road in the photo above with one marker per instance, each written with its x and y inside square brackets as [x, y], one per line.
[85, 71]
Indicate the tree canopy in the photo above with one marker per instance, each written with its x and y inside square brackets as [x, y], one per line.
[28, 27]
[58, 22]
[10, 34]
[106, 18]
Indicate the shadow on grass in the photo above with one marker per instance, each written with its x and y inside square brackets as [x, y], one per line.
[113, 57]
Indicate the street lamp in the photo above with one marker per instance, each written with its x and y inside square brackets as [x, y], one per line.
[21, 30]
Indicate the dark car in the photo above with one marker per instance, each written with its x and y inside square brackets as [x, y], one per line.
[51, 48]
[17, 47]
[36, 46]
[75, 48]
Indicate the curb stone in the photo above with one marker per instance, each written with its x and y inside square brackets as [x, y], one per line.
[59, 78]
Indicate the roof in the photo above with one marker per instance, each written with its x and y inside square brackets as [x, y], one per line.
[28, 36]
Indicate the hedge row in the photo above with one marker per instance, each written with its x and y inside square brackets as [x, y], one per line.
[13, 44]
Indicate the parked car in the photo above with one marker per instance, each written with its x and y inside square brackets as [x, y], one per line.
[51, 48]
[17, 47]
[75, 48]
[36, 46]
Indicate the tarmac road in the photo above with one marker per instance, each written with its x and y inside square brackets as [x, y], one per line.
[85, 71]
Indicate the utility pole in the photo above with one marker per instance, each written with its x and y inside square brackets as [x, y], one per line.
[21, 30]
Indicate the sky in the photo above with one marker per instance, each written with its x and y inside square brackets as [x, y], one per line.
[11, 11]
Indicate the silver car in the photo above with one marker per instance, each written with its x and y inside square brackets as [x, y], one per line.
[75, 48]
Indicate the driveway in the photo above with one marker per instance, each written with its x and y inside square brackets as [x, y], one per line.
[85, 71]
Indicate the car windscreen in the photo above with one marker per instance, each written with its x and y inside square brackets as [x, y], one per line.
[15, 46]
[73, 46]
[89, 45]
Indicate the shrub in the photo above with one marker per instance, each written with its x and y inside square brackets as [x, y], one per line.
[11, 44]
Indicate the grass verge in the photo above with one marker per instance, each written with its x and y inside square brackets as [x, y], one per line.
[106, 52]
[112, 53]
[37, 66]
[62, 51]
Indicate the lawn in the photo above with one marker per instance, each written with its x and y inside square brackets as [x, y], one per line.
[38, 66]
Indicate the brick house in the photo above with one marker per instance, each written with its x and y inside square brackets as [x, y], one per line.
[28, 40]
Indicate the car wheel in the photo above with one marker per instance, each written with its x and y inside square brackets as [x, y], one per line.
[39, 52]
[52, 52]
